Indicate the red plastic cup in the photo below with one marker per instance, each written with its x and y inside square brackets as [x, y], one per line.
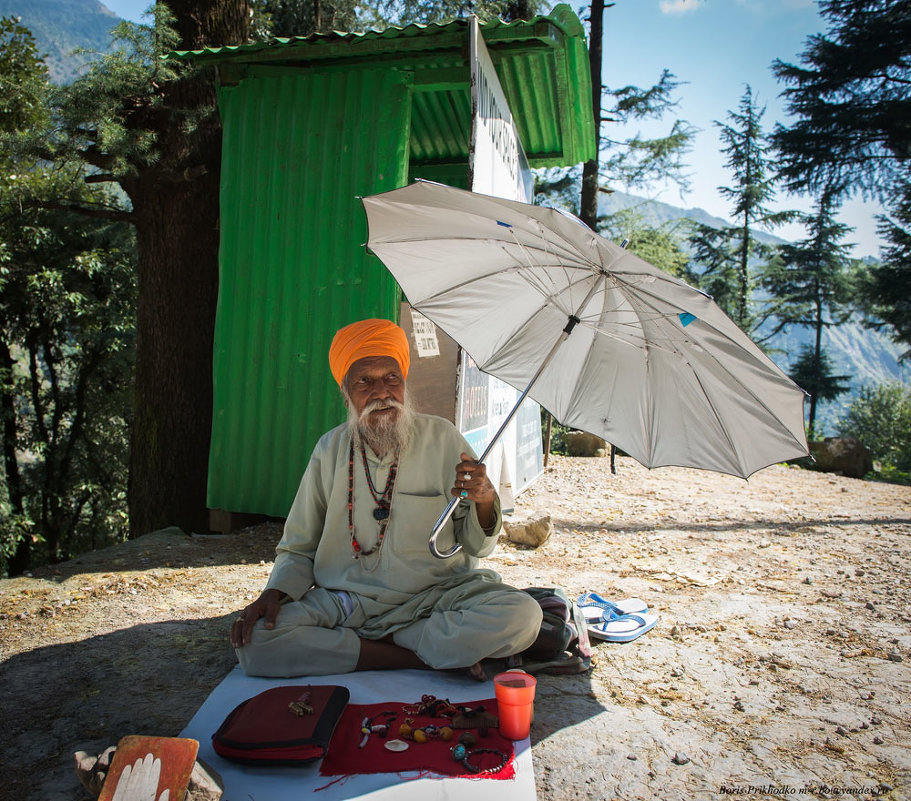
[515, 693]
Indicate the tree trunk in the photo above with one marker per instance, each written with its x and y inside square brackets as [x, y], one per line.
[817, 365]
[588, 201]
[177, 241]
[21, 557]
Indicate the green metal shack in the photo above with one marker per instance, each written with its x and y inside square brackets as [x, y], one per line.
[310, 125]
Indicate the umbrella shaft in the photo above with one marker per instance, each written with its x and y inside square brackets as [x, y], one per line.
[564, 334]
[451, 507]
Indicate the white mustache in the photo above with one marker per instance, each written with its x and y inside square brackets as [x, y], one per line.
[381, 405]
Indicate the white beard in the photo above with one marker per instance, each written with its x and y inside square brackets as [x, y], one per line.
[386, 433]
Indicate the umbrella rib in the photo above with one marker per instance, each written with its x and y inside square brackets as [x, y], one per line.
[743, 387]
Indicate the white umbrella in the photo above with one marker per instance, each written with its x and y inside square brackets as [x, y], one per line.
[605, 341]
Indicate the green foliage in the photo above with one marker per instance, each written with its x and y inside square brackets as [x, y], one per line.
[880, 417]
[662, 247]
[812, 372]
[67, 291]
[888, 289]
[637, 162]
[851, 96]
[23, 78]
[811, 285]
[812, 282]
[726, 256]
[109, 116]
[633, 163]
[66, 304]
[407, 12]
[286, 18]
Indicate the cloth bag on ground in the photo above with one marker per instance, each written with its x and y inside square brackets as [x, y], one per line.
[562, 645]
[288, 725]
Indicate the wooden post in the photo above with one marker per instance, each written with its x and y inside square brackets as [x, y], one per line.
[550, 422]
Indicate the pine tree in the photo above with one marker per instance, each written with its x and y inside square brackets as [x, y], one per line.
[727, 255]
[851, 96]
[810, 285]
[888, 288]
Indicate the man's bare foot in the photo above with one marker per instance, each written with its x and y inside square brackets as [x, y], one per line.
[476, 672]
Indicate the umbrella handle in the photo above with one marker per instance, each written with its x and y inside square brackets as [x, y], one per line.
[447, 513]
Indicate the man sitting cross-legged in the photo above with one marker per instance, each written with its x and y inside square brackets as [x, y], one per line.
[354, 586]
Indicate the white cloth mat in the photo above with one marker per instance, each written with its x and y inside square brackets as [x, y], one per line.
[246, 783]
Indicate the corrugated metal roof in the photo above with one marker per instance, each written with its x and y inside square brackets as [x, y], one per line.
[542, 64]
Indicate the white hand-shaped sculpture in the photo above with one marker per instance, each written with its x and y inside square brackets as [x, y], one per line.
[139, 782]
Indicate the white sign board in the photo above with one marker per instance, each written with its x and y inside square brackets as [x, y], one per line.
[497, 166]
[425, 335]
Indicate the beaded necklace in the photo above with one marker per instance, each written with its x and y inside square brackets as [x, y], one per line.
[382, 500]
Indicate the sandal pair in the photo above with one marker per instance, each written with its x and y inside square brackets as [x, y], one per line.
[596, 609]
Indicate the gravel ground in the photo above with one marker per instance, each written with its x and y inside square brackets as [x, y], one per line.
[779, 665]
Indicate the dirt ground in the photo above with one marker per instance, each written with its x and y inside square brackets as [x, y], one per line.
[779, 665]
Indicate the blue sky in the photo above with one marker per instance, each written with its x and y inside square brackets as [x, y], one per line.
[716, 47]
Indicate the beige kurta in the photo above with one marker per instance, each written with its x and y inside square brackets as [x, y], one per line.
[450, 612]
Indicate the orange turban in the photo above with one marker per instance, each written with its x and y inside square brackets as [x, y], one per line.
[367, 338]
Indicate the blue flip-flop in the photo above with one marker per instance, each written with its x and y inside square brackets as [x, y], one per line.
[623, 628]
[595, 608]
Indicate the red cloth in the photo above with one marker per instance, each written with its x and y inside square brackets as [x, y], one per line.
[345, 758]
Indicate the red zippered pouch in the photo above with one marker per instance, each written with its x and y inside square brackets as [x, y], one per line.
[288, 725]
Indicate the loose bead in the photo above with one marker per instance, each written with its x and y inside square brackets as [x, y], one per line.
[404, 730]
[458, 752]
[468, 739]
[446, 733]
[419, 735]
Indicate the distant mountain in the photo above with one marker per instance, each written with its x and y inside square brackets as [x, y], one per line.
[656, 213]
[62, 26]
[865, 356]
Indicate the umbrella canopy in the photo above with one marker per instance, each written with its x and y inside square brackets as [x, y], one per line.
[647, 362]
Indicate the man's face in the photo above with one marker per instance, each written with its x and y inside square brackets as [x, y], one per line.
[373, 382]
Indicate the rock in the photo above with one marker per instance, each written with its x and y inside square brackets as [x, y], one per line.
[680, 758]
[92, 770]
[205, 783]
[581, 443]
[533, 532]
[843, 455]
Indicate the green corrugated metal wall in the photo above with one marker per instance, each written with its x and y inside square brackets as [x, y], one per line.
[299, 148]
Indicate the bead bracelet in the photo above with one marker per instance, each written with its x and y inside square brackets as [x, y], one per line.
[461, 754]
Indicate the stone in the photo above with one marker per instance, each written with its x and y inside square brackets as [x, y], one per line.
[532, 532]
[92, 770]
[680, 758]
[581, 443]
[205, 783]
[844, 455]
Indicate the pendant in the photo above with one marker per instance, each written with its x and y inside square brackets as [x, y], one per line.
[381, 513]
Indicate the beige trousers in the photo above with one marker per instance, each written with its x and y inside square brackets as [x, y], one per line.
[450, 627]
